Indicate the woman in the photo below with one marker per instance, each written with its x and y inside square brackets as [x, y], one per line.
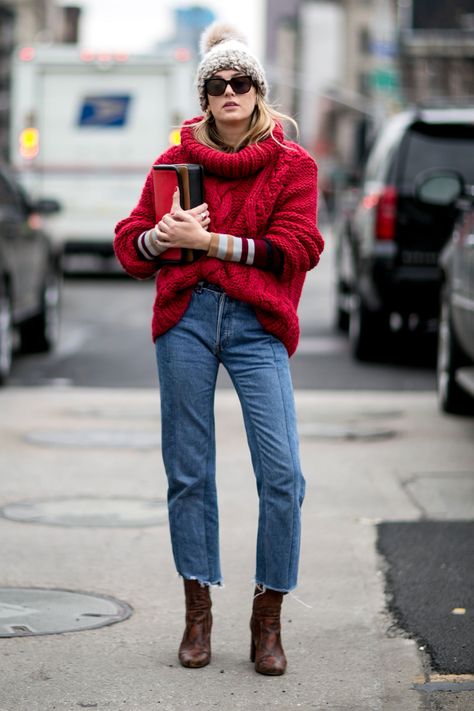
[235, 305]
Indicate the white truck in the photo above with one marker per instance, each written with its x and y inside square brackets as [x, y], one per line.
[86, 129]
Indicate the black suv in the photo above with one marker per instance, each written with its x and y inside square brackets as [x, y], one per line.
[29, 274]
[388, 244]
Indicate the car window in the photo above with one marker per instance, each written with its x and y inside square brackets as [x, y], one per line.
[384, 147]
[8, 195]
[441, 146]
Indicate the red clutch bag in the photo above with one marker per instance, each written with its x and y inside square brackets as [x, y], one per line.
[188, 177]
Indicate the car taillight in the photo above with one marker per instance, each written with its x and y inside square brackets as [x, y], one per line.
[29, 143]
[386, 213]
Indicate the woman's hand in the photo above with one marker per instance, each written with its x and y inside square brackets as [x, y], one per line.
[184, 228]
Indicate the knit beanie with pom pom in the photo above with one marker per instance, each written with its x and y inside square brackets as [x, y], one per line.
[224, 47]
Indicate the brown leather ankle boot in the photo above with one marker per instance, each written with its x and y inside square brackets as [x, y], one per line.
[195, 647]
[265, 646]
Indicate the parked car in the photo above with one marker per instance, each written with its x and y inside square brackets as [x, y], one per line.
[387, 253]
[29, 275]
[456, 324]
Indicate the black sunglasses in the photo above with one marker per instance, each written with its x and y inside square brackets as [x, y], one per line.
[217, 86]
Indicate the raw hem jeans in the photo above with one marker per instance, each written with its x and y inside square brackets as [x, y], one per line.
[217, 329]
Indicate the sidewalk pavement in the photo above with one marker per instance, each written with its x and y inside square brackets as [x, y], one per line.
[343, 651]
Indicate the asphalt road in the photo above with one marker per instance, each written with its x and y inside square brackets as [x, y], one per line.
[434, 604]
[106, 342]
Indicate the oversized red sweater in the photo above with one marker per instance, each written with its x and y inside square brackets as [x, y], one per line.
[264, 190]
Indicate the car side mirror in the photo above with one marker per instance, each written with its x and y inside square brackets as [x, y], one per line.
[353, 178]
[441, 188]
[45, 206]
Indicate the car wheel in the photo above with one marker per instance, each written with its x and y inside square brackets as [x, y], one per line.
[341, 319]
[6, 336]
[366, 331]
[41, 333]
[452, 398]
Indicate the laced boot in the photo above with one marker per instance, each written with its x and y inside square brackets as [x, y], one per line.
[195, 647]
[265, 645]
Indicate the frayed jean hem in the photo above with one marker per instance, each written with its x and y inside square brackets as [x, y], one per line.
[264, 587]
[203, 583]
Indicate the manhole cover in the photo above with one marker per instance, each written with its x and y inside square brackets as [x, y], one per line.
[88, 511]
[328, 430]
[129, 439]
[36, 611]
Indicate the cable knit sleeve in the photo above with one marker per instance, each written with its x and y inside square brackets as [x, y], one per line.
[127, 231]
[141, 219]
[293, 229]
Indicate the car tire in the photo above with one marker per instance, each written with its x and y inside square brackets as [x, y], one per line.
[451, 397]
[366, 331]
[6, 335]
[41, 332]
[341, 318]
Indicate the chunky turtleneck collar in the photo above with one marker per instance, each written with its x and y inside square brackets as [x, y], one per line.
[246, 162]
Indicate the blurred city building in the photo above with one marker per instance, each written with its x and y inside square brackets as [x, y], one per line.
[343, 66]
[436, 49]
[183, 45]
[22, 23]
[189, 23]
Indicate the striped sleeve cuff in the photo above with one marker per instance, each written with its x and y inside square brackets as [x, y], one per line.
[258, 253]
[147, 247]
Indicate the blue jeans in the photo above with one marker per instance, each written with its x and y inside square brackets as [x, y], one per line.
[217, 329]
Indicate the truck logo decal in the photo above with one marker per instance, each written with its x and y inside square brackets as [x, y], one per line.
[105, 111]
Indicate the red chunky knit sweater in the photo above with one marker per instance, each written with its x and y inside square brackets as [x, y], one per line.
[264, 190]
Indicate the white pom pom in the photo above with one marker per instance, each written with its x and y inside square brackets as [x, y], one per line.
[219, 32]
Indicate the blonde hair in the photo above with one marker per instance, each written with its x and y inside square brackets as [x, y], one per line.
[262, 123]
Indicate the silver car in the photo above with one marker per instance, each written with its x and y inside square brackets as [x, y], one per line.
[30, 275]
[456, 326]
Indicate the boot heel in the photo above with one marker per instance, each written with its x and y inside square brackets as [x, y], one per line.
[265, 627]
[195, 648]
[252, 650]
